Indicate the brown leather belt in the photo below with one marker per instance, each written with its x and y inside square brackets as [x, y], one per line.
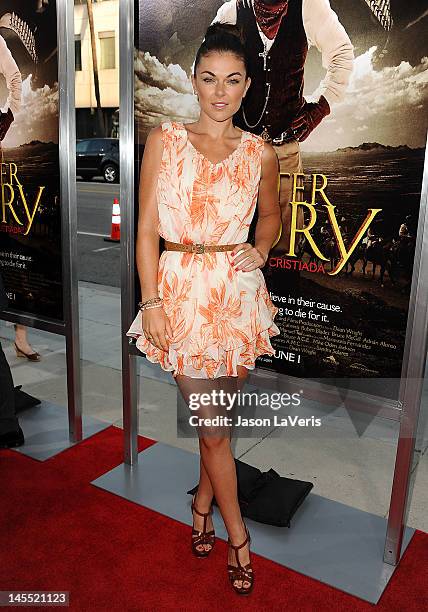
[198, 247]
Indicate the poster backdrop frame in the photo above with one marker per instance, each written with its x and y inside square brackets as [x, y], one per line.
[69, 327]
[127, 246]
[411, 385]
[405, 410]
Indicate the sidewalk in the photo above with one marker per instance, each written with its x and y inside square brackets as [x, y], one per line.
[352, 462]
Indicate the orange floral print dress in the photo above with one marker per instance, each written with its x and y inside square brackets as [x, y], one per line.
[220, 317]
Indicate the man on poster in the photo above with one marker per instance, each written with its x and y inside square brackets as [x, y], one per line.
[277, 35]
[12, 75]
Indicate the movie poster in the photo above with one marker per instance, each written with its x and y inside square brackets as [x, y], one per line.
[30, 223]
[341, 276]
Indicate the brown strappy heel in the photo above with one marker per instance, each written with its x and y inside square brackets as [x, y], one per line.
[244, 573]
[202, 537]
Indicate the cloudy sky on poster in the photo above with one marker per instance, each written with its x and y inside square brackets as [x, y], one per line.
[39, 124]
[386, 100]
[28, 28]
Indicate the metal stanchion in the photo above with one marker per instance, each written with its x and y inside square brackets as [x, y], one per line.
[411, 387]
[129, 366]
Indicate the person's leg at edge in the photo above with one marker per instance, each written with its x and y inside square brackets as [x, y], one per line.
[8, 420]
[21, 341]
[218, 472]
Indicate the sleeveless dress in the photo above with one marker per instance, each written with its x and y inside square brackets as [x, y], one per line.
[220, 317]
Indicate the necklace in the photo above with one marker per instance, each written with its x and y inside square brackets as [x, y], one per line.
[266, 17]
[265, 133]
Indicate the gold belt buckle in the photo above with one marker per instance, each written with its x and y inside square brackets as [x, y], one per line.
[199, 248]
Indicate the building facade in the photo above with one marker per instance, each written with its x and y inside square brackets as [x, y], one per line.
[106, 27]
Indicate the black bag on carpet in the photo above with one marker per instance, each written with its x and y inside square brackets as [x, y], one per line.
[267, 497]
[23, 400]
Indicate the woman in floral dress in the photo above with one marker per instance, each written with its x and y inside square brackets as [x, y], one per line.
[205, 312]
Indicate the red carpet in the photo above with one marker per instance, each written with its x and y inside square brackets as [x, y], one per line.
[59, 532]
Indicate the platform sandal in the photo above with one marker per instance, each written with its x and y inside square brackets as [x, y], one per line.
[244, 573]
[202, 537]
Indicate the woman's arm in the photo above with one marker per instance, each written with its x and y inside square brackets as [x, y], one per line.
[269, 216]
[156, 325]
[269, 212]
[147, 246]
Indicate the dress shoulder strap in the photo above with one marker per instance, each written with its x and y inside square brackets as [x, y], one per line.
[254, 142]
[171, 130]
[255, 138]
[166, 126]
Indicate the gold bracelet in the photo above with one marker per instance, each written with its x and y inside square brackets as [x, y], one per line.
[157, 305]
[150, 301]
[152, 306]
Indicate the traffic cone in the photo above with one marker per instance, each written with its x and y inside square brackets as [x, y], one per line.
[115, 223]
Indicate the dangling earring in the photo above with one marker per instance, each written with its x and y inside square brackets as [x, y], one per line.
[197, 97]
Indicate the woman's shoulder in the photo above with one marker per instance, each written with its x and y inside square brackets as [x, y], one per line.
[165, 132]
[254, 138]
[170, 125]
[254, 143]
[170, 129]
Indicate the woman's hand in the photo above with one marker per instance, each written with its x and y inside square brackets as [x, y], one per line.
[250, 259]
[156, 327]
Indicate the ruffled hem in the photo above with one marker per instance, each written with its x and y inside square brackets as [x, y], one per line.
[204, 365]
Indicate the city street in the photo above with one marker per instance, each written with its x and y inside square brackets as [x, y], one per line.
[98, 261]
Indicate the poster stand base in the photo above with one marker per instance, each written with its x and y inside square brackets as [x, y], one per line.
[323, 533]
[46, 430]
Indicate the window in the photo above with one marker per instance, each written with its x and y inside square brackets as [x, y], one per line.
[96, 146]
[78, 52]
[82, 147]
[107, 47]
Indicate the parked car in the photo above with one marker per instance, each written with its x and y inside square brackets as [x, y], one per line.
[98, 157]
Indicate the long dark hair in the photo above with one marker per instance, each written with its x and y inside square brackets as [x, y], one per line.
[223, 37]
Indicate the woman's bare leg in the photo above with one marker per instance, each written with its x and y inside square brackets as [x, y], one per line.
[205, 489]
[242, 376]
[21, 339]
[203, 499]
[190, 386]
[218, 472]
